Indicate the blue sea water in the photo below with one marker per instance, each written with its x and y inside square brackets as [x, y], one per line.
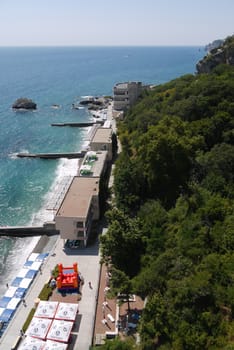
[59, 76]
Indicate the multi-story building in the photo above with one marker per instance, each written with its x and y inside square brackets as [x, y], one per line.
[126, 94]
[94, 164]
[82, 203]
[80, 207]
[102, 141]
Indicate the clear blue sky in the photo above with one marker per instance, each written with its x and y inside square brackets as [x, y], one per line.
[114, 22]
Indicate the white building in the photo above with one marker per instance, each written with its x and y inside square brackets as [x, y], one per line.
[80, 206]
[126, 94]
[94, 164]
[78, 209]
[102, 141]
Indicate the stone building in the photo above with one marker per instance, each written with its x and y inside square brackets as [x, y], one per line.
[126, 94]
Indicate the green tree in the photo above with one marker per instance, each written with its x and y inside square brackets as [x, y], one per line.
[123, 242]
[120, 283]
[128, 184]
[165, 152]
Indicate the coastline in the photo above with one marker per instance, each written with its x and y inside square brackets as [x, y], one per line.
[89, 265]
[45, 244]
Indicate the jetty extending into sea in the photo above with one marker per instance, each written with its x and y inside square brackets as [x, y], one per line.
[79, 125]
[69, 155]
[47, 229]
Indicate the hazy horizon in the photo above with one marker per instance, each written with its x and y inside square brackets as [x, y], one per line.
[128, 23]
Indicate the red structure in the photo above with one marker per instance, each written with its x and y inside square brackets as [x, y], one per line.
[67, 278]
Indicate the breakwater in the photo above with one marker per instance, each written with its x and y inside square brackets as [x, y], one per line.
[69, 155]
[79, 125]
[48, 229]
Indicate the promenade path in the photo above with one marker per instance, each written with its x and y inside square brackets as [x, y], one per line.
[88, 264]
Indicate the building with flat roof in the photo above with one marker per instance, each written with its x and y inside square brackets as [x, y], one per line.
[94, 164]
[126, 94]
[79, 208]
[102, 141]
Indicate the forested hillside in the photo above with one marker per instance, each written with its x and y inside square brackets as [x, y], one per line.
[171, 233]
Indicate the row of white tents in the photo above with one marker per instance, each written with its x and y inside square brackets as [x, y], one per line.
[37, 344]
[51, 326]
[18, 288]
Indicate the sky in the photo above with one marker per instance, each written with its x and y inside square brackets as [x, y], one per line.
[114, 22]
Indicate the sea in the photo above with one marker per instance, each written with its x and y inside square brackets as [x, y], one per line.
[55, 78]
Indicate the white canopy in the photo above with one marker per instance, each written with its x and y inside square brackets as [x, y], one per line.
[39, 327]
[66, 311]
[33, 257]
[25, 283]
[35, 265]
[50, 345]
[46, 309]
[60, 331]
[10, 292]
[32, 343]
[23, 272]
[13, 303]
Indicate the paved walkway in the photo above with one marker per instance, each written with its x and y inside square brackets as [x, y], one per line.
[88, 264]
[105, 307]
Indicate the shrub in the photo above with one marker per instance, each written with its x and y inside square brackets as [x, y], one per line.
[28, 320]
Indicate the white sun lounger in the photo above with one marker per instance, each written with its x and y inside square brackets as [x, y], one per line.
[111, 318]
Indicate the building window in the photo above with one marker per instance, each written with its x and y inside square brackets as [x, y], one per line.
[79, 224]
[80, 234]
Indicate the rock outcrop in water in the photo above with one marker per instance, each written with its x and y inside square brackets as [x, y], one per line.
[223, 54]
[96, 103]
[24, 103]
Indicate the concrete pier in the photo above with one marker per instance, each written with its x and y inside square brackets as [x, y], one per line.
[69, 155]
[48, 229]
[79, 125]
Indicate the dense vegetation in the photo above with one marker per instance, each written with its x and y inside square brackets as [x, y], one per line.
[171, 233]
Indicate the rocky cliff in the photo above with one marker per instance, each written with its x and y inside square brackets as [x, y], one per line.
[223, 54]
[214, 45]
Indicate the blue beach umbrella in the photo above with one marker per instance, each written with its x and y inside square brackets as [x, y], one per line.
[31, 274]
[42, 256]
[4, 301]
[6, 315]
[20, 292]
[16, 282]
[28, 263]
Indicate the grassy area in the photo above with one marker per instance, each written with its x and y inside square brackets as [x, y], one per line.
[28, 320]
[45, 293]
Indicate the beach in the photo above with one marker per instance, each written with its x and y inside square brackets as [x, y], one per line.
[88, 260]
[45, 244]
